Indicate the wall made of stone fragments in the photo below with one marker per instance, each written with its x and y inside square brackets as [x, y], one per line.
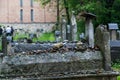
[32, 28]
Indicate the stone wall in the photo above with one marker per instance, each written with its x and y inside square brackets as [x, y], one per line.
[32, 27]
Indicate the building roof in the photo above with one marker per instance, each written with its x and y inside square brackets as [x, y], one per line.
[112, 26]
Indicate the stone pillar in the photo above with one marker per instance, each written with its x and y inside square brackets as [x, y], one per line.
[74, 27]
[113, 35]
[118, 35]
[64, 24]
[113, 27]
[69, 33]
[86, 28]
[106, 51]
[4, 44]
[103, 42]
[57, 36]
[91, 34]
[89, 30]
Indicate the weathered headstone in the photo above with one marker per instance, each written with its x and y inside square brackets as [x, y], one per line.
[113, 27]
[64, 24]
[57, 36]
[102, 37]
[118, 35]
[74, 27]
[4, 44]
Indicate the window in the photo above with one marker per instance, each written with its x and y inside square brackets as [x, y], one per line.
[32, 15]
[21, 3]
[31, 3]
[21, 15]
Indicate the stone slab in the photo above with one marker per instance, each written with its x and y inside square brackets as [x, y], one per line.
[53, 62]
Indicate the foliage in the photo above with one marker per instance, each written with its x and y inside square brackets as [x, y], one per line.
[116, 67]
[43, 2]
[81, 26]
[106, 10]
[116, 64]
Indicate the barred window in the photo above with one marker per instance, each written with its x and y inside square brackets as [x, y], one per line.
[21, 15]
[32, 15]
[21, 3]
[31, 3]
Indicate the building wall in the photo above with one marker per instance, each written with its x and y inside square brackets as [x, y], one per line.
[10, 12]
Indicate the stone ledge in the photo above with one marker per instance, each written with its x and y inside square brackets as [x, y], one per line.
[45, 63]
[71, 76]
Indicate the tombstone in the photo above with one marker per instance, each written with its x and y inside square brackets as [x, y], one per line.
[74, 27]
[64, 24]
[82, 37]
[4, 44]
[102, 38]
[89, 29]
[32, 35]
[113, 27]
[118, 34]
[57, 36]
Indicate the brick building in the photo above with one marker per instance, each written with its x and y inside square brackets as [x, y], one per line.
[26, 13]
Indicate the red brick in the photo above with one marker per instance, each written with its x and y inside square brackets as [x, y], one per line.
[10, 12]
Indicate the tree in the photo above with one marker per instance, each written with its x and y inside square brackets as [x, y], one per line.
[106, 10]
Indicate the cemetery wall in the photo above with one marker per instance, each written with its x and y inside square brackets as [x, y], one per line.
[32, 27]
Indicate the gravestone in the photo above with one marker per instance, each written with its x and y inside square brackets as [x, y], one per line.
[74, 27]
[57, 36]
[64, 24]
[115, 50]
[102, 38]
[89, 29]
[118, 34]
[4, 44]
[113, 27]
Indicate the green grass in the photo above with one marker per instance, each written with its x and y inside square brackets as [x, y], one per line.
[18, 36]
[45, 37]
[118, 78]
[116, 67]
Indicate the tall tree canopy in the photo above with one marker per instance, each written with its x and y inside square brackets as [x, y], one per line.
[106, 10]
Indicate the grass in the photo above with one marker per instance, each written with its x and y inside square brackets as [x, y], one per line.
[44, 37]
[116, 67]
[18, 36]
[118, 78]
[48, 36]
